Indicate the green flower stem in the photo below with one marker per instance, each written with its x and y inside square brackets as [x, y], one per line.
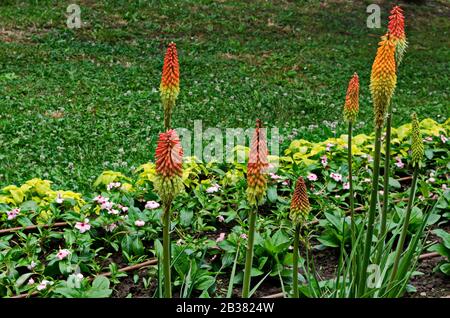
[387, 159]
[295, 263]
[249, 254]
[166, 251]
[350, 180]
[401, 241]
[167, 118]
[372, 210]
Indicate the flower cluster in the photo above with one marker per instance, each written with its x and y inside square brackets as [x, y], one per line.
[396, 28]
[13, 213]
[170, 82]
[300, 203]
[351, 106]
[383, 78]
[257, 166]
[169, 169]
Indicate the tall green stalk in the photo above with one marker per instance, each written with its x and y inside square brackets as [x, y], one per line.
[350, 180]
[249, 254]
[401, 241]
[387, 160]
[166, 251]
[372, 209]
[295, 293]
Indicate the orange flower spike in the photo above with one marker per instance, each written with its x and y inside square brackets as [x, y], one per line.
[300, 206]
[351, 106]
[169, 165]
[257, 166]
[396, 28]
[383, 78]
[170, 82]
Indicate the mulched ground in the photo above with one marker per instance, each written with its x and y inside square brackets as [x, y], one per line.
[429, 285]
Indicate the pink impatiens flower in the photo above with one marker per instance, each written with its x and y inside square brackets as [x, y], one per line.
[346, 185]
[139, 223]
[274, 176]
[62, 254]
[111, 227]
[428, 139]
[399, 163]
[43, 285]
[244, 236]
[113, 185]
[150, 205]
[32, 265]
[83, 226]
[336, 176]
[113, 211]
[13, 213]
[100, 199]
[312, 177]
[106, 205]
[220, 218]
[31, 281]
[329, 145]
[324, 160]
[220, 238]
[444, 139]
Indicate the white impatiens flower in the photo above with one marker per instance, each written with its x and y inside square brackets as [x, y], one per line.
[59, 199]
[312, 177]
[113, 185]
[32, 265]
[213, 188]
[139, 223]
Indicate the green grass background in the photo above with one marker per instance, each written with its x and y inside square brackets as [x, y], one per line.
[76, 102]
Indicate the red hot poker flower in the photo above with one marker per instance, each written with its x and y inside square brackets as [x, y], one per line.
[170, 82]
[397, 30]
[169, 169]
[257, 166]
[300, 206]
[351, 106]
[169, 155]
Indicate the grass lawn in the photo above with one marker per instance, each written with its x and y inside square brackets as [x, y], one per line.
[76, 102]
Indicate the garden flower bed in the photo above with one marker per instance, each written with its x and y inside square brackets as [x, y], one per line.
[118, 224]
[353, 216]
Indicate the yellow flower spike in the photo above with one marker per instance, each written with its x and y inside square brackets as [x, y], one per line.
[383, 78]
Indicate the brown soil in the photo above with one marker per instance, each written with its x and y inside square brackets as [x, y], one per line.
[429, 285]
